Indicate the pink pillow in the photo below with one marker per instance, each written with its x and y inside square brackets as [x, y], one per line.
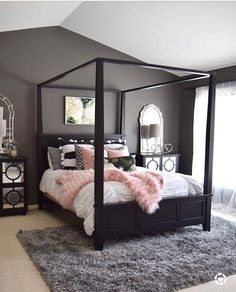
[88, 157]
[118, 153]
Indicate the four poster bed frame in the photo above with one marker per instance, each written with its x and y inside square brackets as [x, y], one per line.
[126, 219]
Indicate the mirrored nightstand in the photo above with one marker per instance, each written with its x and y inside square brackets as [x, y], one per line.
[165, 162]
[13, 185]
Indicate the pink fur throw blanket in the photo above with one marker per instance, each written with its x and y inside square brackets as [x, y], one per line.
[145, 186]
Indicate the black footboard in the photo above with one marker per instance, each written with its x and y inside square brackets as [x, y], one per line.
[125, 219]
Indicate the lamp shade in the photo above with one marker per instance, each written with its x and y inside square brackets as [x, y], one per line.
[144, 131]
[3, 128]
[154, 130]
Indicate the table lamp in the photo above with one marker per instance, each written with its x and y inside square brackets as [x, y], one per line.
[144, 134]
[155, 131]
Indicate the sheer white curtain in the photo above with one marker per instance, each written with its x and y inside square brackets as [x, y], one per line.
[224, 159]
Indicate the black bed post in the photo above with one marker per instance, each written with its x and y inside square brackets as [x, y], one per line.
[39, 132]
[122, 113]
[209, 149]
[99, 156]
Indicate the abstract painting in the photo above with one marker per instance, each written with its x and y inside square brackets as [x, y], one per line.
[79, 110]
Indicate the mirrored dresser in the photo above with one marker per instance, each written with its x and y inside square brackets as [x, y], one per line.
[165, 162]
[13, 185]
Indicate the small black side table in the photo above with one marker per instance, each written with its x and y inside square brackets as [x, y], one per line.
[13, 185]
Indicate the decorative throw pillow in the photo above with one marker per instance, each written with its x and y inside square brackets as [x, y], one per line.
[108, 165]
[88, 157]
[68, 156]
[49, 161]
[114, 146]
[54, 158]
[116, 150]
[125, 163]
[79, 156]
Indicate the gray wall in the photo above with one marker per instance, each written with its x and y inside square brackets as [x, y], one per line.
[32, 56]
[53, 113]
[53, 120]
[21, 94]
[167, 100]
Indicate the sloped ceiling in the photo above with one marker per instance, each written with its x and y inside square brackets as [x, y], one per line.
[24, 15]
[199, 35]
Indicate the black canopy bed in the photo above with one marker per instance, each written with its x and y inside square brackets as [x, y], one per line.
[127, 218]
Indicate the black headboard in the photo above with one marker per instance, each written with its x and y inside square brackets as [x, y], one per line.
[45, 140]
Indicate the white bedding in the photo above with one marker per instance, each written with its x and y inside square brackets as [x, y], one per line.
[175, 184]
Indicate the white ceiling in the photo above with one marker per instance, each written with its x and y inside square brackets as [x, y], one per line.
[24, 15]
[199, 35]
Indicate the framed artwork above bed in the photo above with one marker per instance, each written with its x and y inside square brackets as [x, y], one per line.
[79, 110]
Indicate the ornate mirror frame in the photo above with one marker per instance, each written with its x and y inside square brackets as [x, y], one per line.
[150, 115]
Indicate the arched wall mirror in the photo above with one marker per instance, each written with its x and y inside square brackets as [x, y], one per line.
[151, 129]
[7, 130]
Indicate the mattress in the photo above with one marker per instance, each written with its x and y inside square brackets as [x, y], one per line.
[175, 185]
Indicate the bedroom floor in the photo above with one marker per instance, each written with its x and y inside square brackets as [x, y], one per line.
[17, 272]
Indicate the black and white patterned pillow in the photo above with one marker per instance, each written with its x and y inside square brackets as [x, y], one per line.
[68, 156]
[79, 158]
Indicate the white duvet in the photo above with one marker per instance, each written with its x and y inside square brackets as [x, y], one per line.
[175, 184]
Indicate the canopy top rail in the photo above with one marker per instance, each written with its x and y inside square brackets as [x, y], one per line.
[172, 82]
[112, 90]
[154, 66]
[130, 63]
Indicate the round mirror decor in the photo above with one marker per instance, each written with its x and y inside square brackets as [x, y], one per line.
[13, 197]
[13, 172]
[169, 165]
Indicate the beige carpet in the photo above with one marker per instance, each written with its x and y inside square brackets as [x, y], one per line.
[17, 273]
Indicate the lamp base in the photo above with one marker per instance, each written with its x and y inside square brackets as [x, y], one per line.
[3, 151]
[156, 148]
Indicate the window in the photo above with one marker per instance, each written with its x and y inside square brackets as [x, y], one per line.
[224, 158]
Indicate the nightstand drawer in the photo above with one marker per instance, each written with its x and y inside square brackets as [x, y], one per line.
[165, 162]
[170, 163]
[152, 163]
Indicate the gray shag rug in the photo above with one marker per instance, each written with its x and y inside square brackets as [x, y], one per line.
[168, 261]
